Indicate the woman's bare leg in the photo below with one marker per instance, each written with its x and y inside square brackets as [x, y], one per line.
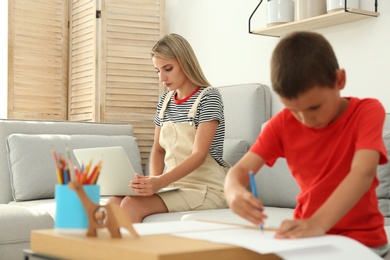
[140, 207]
[115, 200]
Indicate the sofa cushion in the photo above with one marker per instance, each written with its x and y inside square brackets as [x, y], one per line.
[276, 186]
[234, 149]
[246, 107]
[32, 166]
[17, 222]
[383, 173]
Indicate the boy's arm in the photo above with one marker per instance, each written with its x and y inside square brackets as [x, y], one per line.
[344, 197]
[240, 200]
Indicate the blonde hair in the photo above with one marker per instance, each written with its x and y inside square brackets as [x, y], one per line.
[174, 46]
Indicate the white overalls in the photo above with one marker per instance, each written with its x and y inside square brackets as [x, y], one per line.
[202, 188]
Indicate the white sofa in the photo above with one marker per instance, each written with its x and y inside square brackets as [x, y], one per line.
[27, 169]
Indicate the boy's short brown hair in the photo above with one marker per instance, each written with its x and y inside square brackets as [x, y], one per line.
[300, 61]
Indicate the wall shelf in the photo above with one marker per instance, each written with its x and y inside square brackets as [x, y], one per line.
[322, 21]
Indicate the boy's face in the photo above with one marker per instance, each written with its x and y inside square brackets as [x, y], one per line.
[319, 106]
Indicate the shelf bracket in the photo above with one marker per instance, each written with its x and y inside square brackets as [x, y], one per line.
[375, 6]
[250, 18]
[349, 11]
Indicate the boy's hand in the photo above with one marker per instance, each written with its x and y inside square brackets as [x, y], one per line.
[299, 228]
[243, 203]
[240, 200]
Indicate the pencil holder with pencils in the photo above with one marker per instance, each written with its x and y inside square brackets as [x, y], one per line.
[71, 216]
[70, 213]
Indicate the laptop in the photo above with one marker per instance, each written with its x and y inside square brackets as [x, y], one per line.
[116, 172]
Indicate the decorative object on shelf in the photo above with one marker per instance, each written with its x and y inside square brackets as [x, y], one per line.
[341, 16]
[309, 8]
[334, 5]
[109, 216]
[280, 11]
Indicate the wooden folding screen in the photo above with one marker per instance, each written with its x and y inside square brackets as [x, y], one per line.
[103, 73]
[129, 83]
[83, 104]
[37, 59]
[114, 79]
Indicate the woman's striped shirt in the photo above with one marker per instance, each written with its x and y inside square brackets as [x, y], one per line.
[210, 108]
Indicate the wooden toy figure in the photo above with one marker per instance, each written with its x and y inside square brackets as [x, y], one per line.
[110, 216]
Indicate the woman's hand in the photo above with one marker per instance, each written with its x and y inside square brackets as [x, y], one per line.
[145, 185]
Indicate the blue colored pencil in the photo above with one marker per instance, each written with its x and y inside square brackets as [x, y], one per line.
[254, 191]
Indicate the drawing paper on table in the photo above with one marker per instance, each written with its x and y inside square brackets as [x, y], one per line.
[265, 243]
[178, 227]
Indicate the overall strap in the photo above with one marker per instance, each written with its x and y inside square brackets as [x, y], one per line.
[165, 104]
[192, 111]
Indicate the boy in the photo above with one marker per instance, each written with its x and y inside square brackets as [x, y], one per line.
[332, 144]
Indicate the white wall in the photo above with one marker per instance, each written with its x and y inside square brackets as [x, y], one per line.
[218, 32]
[3, 57]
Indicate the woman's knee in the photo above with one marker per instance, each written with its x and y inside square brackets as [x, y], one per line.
[133, 208]
[140, 207]
[129, 202]
[115, 200]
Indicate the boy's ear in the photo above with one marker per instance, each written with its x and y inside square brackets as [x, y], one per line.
[341, 79]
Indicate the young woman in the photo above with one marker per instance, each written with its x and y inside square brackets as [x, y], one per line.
[188, 140]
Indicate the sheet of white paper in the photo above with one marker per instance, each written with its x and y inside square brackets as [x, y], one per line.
[264, 243]
[178, 227]
[251, 239]
[319, 248]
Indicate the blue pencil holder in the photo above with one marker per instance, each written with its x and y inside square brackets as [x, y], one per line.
[70, 213]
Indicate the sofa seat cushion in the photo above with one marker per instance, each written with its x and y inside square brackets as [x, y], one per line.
[44, 205]
[17, 222]
[32, 166]
[163, 217]
[47, 205]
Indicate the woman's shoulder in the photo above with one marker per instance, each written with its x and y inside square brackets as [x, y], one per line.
[210, 92]
[162, 96]
[210, 89]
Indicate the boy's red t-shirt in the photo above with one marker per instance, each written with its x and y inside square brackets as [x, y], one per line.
[319, 159]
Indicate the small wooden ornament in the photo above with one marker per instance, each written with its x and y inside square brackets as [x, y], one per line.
[108, 216]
